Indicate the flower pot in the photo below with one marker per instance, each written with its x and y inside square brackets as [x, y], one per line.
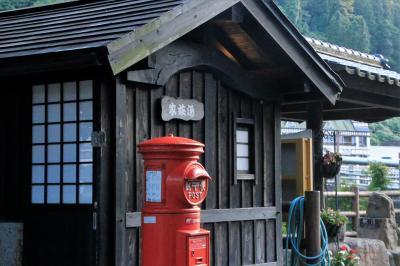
[332, 230]
[330, 170]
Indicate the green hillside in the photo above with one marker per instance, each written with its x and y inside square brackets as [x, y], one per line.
[371, 26]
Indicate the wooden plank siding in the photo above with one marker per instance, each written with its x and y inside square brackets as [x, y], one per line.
[239, 235]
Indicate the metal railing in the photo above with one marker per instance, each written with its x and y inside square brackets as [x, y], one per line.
[355, 214]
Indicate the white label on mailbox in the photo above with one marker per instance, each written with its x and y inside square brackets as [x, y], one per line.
[153, 186]
[149, 219]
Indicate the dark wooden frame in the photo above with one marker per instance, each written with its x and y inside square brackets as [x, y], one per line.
[250, 124]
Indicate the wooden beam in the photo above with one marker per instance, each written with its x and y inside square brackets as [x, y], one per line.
[137, 45]
[52, 63]
[295, 46]
[228, 44]
[370, 99]
[302, 98]
[218, 215]
[121, 135]
[328, 108]
[182, 55]
[372, 115]
[314, 122]
[372, 86]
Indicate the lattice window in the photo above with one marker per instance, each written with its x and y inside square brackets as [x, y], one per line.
[62, 154]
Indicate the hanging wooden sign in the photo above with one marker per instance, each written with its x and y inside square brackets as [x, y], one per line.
[184, 109]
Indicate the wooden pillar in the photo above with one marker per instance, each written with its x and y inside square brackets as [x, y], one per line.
[312, 226]
[314, 122]
[356, 208]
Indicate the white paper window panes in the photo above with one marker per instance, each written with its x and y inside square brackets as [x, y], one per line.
[38, 114]
[69, 173]
[242, 136]
[85, 131]
[85, 152]
[242, 164]
[69, 132]
[53, 194]
[37, 174]
[38, 134]
[53, 174]
[53, 153]
[53, 133]
[242, 150]
[86, 173]
[85, 194]
[38, 154]
[85, 110]
[69, 153]
[37, 194]
[86, 90]
[69, 194]
[53, 92]
[38, 94]
[69, 112]
[53, 113]
[69, 91]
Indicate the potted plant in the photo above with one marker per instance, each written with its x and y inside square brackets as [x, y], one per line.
[344, 257]
[333, 221]
[330, 164]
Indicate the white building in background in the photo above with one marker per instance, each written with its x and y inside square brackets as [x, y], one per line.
[352, 140]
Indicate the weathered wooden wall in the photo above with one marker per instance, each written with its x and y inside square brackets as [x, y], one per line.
[138, 117]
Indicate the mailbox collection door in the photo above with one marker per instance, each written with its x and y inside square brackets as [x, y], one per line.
[198, 250]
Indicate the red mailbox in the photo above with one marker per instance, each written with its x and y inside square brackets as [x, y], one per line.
[175, 184]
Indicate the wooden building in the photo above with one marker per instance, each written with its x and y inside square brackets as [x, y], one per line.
[82, 84]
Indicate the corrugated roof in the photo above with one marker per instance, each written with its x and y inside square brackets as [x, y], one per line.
[75, 25]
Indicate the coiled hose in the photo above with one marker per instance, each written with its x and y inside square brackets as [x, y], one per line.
[295, 229]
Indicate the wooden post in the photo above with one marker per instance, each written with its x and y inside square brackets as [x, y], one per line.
[312, 226]
[314, 122]
[356, 208]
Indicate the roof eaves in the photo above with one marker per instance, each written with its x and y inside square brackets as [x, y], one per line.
[344, 53]
[145, 40]
[302, 53]
[364, 71]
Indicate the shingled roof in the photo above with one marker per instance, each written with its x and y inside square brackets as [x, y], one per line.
[74, 25]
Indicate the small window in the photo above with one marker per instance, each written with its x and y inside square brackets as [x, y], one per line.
[243, 161]
[362, 141]
[62, 154]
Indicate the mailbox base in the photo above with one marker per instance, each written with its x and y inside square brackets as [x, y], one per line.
[192, 248]
[172, 238]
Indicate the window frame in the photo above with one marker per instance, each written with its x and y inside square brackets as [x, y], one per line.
[77, 122]
[248, 123]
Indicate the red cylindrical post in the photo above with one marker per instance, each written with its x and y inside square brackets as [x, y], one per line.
[174, 185]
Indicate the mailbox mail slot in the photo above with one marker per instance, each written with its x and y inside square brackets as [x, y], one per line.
[175, 184]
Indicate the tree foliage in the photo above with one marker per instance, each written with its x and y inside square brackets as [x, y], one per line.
[388, 130]
[379, 175]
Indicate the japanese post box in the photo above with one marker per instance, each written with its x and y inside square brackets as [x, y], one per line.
[175, 184]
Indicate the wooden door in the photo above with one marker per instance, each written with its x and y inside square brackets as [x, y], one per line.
[59, 222]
